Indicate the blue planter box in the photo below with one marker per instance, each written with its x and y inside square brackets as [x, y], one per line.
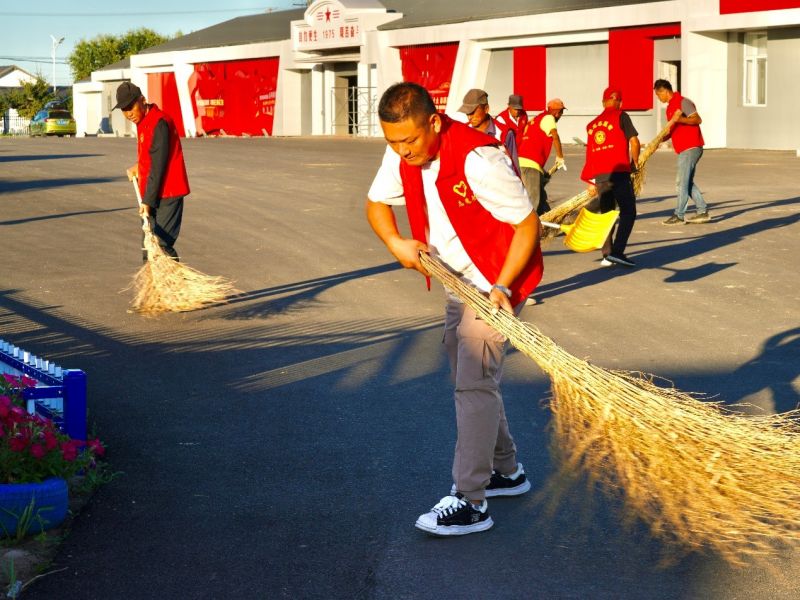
[50, 502]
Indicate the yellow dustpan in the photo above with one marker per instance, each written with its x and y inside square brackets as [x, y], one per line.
[588, 232]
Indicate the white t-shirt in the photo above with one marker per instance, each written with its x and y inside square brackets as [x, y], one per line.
[491, 178]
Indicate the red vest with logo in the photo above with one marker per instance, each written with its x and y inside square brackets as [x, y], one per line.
[683, 136]
[606, 146]
[535, 144]
[175, 181]
[505, 123]
[485, 239]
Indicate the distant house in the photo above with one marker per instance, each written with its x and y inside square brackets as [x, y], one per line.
[12, 78]
[93, 100]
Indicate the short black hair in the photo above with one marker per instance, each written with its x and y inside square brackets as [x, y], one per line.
[662, 84]
[405, 100]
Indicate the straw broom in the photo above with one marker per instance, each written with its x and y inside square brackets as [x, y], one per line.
[163, 284]
[701, 477]
[560, 212]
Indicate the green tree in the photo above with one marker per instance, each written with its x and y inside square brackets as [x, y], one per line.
[103, 50]
[31, 97]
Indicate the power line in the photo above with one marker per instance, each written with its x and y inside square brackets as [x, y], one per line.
[257, 9]
[34, 59]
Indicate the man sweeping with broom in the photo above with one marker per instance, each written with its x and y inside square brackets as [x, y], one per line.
[163, 284]
[160, 170]
[465, 205]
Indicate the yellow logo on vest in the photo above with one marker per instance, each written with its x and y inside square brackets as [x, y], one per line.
[600, 138]
[461, 189]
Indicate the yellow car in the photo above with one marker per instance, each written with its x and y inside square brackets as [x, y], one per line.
[53, 121]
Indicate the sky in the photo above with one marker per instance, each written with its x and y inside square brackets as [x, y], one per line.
[26, 41]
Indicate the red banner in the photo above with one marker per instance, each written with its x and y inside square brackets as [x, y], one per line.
[727, 7]
[162, 90]
[530, 77]
[630, 62]
[237, 96]
[431, 66]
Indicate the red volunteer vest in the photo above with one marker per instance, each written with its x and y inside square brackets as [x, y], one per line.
[683, 136]
[535, 144]
[606, 147]
[485, 239]
[505, 123]
[175, 182]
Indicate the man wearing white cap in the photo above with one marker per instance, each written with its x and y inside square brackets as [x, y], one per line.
[535, 144]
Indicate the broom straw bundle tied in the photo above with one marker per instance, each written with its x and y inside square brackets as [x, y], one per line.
[566, 208]
[163, 284]
[701, 477]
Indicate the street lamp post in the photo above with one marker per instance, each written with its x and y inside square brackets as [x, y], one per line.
[56, 44]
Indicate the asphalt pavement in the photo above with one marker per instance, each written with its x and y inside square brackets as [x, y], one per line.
[283, 445]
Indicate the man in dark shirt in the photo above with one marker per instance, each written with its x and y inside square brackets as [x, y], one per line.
[160, 168]
[612, 152]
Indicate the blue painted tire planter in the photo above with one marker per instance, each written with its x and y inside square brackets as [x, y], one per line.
[51, 499]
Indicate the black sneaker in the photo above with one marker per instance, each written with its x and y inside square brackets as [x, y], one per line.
[672, 220]
[620, 259]
[515, 484]
[455, 515]
[702, 217]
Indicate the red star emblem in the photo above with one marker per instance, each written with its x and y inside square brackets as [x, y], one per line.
[327, 14]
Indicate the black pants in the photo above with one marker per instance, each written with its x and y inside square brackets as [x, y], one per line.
[168, 216]
[617, 191]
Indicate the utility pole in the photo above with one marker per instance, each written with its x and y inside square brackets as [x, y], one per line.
[56, 44]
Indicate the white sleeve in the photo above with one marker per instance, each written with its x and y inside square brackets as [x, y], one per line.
[496, 185]
[387, 187]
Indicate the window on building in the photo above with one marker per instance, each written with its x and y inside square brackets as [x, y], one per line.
[755, 69]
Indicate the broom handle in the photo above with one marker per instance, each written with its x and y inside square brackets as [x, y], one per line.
[146, 224]
[523, 336]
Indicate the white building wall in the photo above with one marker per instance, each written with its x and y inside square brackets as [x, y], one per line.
[704, 80]
[776, 125]
[87, 107]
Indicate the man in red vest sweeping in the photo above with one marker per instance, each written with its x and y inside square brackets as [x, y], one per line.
[465, 205]
[536, 140]
[612, 150]
[687, 141]
[160, 169]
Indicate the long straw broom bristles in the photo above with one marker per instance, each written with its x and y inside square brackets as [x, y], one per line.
[699, 476]
[163, 284]
[560, 212]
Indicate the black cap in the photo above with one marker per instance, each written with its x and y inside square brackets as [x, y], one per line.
[127, 94]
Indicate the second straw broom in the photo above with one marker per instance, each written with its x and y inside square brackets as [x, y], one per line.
[163, 284]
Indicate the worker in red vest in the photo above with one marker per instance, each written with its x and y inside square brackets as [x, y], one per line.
[687, 141]
[512, 119]
[538, 138]
[476, 107]
[465, 205]
[612, 151]
[160, 169]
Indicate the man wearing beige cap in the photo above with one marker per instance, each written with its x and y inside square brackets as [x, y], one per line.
[476, 107]
[537, 139]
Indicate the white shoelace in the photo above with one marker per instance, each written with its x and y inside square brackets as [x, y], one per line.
[448, 505]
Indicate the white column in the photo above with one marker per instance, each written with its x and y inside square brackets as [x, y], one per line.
[366, 108]
[317, 100]
[328, 83]
[183, 72]
[470, 70]
[704, 79]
